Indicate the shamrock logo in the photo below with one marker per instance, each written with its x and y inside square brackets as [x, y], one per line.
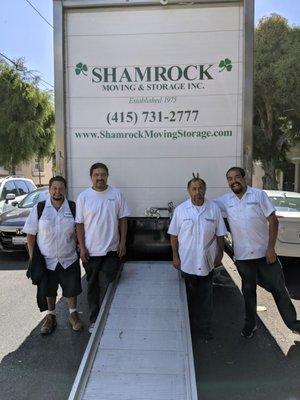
[81, 68]
[225, 64]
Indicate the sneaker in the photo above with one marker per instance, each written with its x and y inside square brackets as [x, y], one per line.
[91, 328]
[75, 321]
[248, 332]
[49, 324]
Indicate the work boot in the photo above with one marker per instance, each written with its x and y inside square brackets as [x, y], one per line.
[75, 321]
[49, 324]
[248, 332]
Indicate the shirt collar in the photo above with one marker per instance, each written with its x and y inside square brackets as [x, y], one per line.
[189, 204]
[49, 204]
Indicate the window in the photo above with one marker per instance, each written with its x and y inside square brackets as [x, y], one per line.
[286, 203]
[38, 165]
[23, 189]
[34, 197]
[30, 185]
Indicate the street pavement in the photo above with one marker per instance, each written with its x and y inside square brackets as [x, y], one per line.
[33, 367]
[265, 367]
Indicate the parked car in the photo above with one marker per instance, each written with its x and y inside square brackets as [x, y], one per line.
[12, 237]
[12, 190]
[287, 205]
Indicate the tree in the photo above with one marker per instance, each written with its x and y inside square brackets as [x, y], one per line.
[26, 118]
[276, 94]
[44, 147]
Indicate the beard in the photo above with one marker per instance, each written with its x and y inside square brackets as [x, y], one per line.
[58, 197]
[237, 188]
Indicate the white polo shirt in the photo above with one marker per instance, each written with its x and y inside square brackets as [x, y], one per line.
[196, 229]
[248, 224]
[100, 213]
[55, 232]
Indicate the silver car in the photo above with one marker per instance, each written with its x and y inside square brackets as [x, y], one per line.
[13, 189]
[12, 237]
[287, 206]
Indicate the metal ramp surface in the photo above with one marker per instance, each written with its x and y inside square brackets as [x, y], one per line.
[141, 348]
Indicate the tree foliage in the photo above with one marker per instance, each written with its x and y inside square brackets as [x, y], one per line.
[26, 119]
[276, 94]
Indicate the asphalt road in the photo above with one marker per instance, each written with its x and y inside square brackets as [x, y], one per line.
[265, 367]
[229, 367]
[35, 367]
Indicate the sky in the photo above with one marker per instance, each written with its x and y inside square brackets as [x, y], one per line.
[24, 33]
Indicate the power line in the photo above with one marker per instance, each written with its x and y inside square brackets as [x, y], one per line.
[35, 9]
[22, 68]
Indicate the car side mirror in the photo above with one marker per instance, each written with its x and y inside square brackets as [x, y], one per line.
[9, 196]
[15, 203]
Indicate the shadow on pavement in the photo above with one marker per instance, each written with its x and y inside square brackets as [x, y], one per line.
[231, 367]
[13, 261]
[44, 367]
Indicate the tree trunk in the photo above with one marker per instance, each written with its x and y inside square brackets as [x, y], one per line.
[39, 166]
[269, 178]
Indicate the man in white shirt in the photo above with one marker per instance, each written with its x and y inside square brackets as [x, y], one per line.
[101, 231]
[254, 227]
[54, 231]
[197, 234]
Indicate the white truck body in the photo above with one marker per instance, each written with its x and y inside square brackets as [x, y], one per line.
[155, 91]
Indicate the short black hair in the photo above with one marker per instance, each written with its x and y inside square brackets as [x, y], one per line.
[196, 180]
[98, 165]
[238, 169]
[58, 178]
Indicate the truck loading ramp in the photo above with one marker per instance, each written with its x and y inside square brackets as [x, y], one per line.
[141, 346]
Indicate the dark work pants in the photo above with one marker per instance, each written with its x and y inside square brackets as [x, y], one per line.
[271, 278]
[200, 301]
[100, 271]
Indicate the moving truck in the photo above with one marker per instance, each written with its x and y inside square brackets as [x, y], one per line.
[156, 90]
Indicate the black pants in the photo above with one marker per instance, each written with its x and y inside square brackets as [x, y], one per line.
[69, 279]
[200, 299]
[271, 278]
[100, 271]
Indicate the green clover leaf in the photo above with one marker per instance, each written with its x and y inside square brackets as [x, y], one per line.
[225, 64]
[81, 68]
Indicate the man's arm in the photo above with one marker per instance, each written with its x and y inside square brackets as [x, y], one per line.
[84, 254]
[123, 235]
[30, 244]
[273, 232]
[175, 246]
[220, 251]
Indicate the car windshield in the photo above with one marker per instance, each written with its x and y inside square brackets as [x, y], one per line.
[32, 198]
[286, 203]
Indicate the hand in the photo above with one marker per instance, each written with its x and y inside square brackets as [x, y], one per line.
[121, 250]
[218, 260]
[84, 255]
[271, 256]
[176, 262]
[196, 175]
